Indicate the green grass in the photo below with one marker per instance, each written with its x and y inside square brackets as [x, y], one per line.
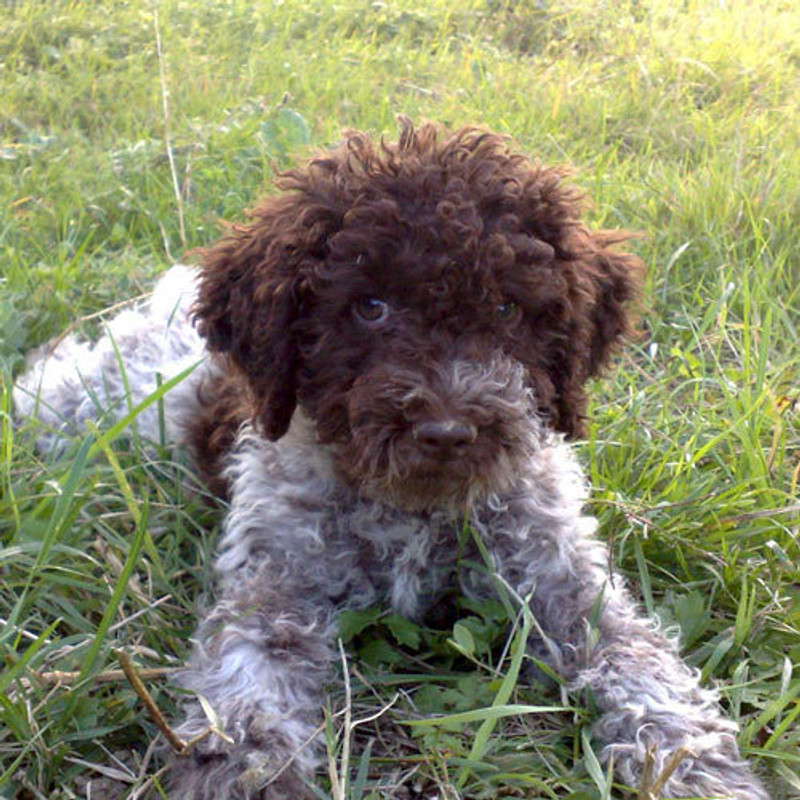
[682, 122]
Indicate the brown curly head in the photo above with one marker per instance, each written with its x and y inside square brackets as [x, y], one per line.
[432, 303]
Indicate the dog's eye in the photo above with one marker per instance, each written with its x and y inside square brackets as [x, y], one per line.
[371, 309]
[508, 312]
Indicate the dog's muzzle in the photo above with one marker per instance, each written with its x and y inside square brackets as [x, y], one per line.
[425, 438]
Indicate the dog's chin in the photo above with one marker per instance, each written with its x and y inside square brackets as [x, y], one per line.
[421, 492]
[424, 492]
[420, 484]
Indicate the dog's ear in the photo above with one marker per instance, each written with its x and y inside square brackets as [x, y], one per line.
[617, 282]
[605, 284]
[250, 296]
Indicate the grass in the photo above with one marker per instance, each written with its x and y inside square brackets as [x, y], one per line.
[682, 121]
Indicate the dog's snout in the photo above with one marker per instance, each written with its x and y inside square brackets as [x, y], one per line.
[445, 434]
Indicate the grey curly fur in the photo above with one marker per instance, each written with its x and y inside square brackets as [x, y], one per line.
[299, 546]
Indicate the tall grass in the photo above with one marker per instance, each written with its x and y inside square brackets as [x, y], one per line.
[682, 122]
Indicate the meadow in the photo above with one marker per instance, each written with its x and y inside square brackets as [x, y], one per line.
[129, 130]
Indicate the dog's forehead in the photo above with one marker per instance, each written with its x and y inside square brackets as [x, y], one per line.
[425, 244]
[417, 253]
[419, 272]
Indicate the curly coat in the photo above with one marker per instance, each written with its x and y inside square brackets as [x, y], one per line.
[449, 234]
[397, 343]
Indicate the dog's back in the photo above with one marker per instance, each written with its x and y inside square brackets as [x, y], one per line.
[75, 380]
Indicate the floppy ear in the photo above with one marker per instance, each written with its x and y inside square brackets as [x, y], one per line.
[604, 285]
[250, 296]
[617, 279]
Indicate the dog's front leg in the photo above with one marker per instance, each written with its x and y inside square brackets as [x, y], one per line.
[260, 663]
[651, 706]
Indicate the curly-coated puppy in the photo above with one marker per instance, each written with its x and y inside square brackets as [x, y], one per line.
[397, 342]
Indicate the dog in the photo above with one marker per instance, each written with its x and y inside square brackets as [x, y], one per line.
[398, 341]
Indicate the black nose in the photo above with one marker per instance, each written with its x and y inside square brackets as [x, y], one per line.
[445, 434]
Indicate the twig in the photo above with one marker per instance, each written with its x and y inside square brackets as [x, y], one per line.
[155, 712]
[377, 715]
[165, 106]
[165, 239]
[339, 784]
[675, 758]
[651, 789]
[178, 745]
[107, 676]
[647, 774]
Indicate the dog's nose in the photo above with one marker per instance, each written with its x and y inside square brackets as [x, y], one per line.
[445, 434]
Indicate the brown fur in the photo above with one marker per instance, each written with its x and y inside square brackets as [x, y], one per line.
[225, 404]
[442, 228]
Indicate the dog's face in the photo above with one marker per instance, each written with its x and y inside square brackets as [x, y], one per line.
[433, 305]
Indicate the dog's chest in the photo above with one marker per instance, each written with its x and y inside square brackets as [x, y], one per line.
[407, 560]
[288, 517]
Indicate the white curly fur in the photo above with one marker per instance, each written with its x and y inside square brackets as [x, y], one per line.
[299, 546]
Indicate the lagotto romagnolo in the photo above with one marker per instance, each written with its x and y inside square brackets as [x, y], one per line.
[398, 340]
